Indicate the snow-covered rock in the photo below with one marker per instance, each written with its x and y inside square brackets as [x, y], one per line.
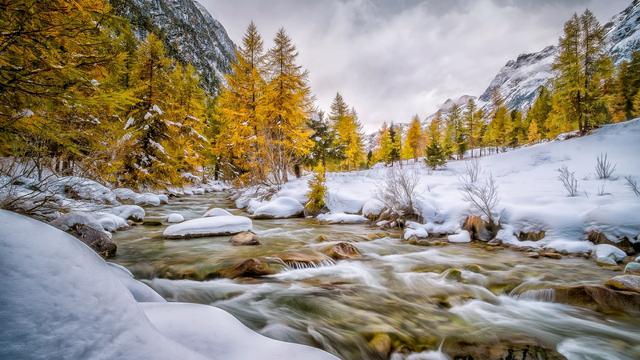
[216, 212]
[128, 212]
[373, 208]
[175, 218]
[461, 237]
[209, 226]
[56, 311]
[125, 194]
[415, 229]
[147, 199]
[79, 188]
[342, 218]
[281, 207]
[608, 254]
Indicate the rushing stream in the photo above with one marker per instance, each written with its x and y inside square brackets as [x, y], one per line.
[456, 297]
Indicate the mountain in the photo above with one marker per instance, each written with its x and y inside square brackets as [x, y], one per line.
[189, 32]
[519, 80]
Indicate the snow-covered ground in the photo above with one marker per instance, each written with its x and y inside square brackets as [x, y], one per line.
[60, 300]
[531, 198]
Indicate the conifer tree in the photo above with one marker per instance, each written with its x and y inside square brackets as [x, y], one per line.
[348, 128]
[533, 135]
[241, 105]
[317, 192]
[472, 124]
[395, 138]
[517, 135]
[435, 155]
[539, 111]
[287, 107]
[582, 65]
[625, 87]
[413, 143]
[325, 140]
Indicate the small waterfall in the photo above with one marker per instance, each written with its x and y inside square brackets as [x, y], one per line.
[299, 265]
[546, 295]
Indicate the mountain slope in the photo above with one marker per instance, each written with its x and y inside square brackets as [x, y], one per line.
[519, 80]
[190, 34]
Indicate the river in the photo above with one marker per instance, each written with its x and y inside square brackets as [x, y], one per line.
[413, 299]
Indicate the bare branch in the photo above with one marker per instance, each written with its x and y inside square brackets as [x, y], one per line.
[568, 180]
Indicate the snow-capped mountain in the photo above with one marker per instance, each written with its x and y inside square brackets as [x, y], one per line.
[190, 34]
[445, 108]
[519, 80]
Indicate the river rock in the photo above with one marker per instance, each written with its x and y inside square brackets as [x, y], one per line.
[625, 282]
[477, 228]
[279, 208]
[632, 268]
[175, 218]
[551, 255]
[208, 226]
[249, 268]
[623, 243]
[598, 298]
[99, 241]
[381, 343]
[244, 238]
[606, 254]
[216, 212]
[342, 250]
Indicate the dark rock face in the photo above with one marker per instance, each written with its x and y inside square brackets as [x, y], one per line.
[190, 34]
[97, 240]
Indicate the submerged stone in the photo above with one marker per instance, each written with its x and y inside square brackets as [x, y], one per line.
[342, 250]
[245, 238]
[625, 282]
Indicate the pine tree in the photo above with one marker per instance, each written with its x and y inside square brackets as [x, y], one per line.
[348, 128]
[413, 143]
[325, 140]
[539, 111]
[435, 155]
[624, 88]
[517, 135]
[317, 192]
[394, 152]
[287, 107]
[472, 124]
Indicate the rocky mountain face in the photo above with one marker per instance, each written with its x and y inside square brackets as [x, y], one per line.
[518, 81]
[190, 34]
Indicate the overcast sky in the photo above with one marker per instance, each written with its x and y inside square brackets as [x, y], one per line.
[392, 59]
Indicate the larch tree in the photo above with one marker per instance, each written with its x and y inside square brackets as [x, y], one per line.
[396, 144]
[347, 126]
[539, 111]
[533, 135]
[472, 124]
[413, 146]
[287, 107]
[241, 105]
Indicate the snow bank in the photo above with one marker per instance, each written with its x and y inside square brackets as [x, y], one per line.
[128, 212]
[342, 218]
[280, 207]
[209, 226]
[531, 199]
[79, 188]
[608, 254]
[56, 311]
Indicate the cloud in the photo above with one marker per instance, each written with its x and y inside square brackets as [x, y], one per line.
[393, 59]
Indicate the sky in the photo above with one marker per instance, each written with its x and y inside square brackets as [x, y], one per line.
[392, 59]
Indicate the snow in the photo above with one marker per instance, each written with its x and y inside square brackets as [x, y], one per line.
[56, 311]
[280, 207]
[216, 212]
[84, 189]
[124, 194]
[531, 199]
[373, 207]
[175, 218]
[147, 199]
[608, 254]
[128, 212]
[461, 237]
[209, 226]
[342, 218]
[415, 229]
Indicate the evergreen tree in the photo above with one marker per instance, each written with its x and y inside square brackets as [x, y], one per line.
[413, 143]
[394, 152]
[518, 131]
[472, 124]
[624, 89]
[317, 192]
[435, 155]
[348, 128]
[539, 111]
[325, 140]
[287, 102]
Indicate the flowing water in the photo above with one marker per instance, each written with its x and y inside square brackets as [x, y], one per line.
[455, 297]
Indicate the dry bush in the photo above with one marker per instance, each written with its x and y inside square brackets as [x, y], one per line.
[633, 185]
[604, 167]
[483, 196]
[568, 180]
[398, 192]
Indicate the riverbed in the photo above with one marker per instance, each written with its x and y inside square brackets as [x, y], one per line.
[394, 300]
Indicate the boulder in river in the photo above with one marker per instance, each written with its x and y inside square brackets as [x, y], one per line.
[623, 243]
[99, 241]
[342, 250]
[249, 268]
[175, 218]
[477, 228]
[625, 282]
[381, 344]
[598, 298]
[279, 208]
[208, 226]
[216, 212]
[606, 254]
[632, 268]
[244, 238]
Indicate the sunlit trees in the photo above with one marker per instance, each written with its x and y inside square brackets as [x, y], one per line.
[413, 147]
[348, 128]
